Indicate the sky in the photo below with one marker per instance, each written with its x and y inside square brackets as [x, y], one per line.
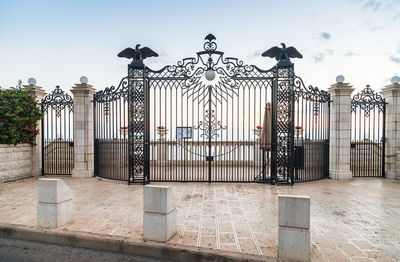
[57, 42]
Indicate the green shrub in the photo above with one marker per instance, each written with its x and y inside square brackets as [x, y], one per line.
[19, 115]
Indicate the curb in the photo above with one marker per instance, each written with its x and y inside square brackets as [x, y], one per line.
[124, 245]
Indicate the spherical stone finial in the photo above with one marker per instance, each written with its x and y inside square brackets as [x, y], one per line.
[31, 81]
[210, 75]
[83, 80]
[339, 79]
[395, 80]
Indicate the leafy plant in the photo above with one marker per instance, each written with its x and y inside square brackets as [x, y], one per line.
[19, 116]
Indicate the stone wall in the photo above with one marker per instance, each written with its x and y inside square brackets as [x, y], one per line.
[15, 162]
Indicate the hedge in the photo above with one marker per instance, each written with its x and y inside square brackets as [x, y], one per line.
[19, 115]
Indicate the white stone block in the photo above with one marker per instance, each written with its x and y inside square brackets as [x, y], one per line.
[54, 215]
[159, 227]
[294, 244]
[340, 174]
[158, 199]
[51, 190]
[294, 211]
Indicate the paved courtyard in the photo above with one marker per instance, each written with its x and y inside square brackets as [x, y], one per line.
[356, 220]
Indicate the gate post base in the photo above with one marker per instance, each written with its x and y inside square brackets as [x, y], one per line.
[391, 175]
[340, 175]
[82, 173]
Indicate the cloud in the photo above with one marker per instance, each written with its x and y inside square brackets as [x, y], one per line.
[256, 54]
[395, 59]
[319, 57]
[373, 5]
[350, 53]
[325, 35]
[330, 51]
[397, 16]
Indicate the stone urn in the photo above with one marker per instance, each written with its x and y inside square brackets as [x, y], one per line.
[162, 132]
[124, 131]
[257, 132]
[298, 131]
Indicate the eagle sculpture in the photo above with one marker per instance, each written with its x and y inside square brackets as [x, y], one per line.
[137, 54]
[282, 53]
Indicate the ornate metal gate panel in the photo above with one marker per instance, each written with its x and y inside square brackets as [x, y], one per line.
[367, 152]
[311, 132]
[205, 119]
[111, 132]
[57, 126]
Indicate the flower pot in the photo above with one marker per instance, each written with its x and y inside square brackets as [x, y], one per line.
[162, 133]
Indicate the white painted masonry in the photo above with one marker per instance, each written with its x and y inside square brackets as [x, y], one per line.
[83, 131]
[392, 147]
[15, 162]
[55, 203]
[160, 216]
[340, 128]
[294, 228]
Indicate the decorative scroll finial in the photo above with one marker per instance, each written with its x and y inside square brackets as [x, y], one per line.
[210, 37]
[137, 54]
[282, 55]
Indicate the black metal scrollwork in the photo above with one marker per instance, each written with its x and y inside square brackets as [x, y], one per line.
[192, 71]
[367, 100]
[58, 100]
[309, 93]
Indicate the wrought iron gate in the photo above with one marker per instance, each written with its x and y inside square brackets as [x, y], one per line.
[311, 128]
[201, 119]
[57, 136]
[367, 151]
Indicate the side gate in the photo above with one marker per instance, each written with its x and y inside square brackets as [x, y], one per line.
[57, 136]
[367, 149]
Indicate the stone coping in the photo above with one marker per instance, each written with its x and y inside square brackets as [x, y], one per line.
[124, 245]
[15, 146]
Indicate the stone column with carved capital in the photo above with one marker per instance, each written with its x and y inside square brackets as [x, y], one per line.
[392, 142]
[340, 128]
[83, 131]
[38, 93]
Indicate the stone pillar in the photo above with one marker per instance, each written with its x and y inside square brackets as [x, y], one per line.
[55, 203]
[38, 93]
[294, 228]
[340, 128]
[392, 143]
[159, 218]
[83, 131]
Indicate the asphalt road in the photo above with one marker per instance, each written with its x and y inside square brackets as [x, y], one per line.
[26, 251]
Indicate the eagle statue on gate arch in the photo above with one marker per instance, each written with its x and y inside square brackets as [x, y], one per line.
[282, 55]
[137, 54]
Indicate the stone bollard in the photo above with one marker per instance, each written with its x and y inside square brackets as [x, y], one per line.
[159, 219]
[55, 203]
[294, 228]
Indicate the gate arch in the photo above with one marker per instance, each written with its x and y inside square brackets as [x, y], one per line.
[197, 120]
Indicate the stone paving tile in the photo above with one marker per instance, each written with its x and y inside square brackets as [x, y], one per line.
[353, 220]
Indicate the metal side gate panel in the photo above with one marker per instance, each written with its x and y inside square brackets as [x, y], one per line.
[311, 132]
[111, 131]
[367, 149]
[57, 136]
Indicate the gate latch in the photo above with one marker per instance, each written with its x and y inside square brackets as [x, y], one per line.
[209, 158]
